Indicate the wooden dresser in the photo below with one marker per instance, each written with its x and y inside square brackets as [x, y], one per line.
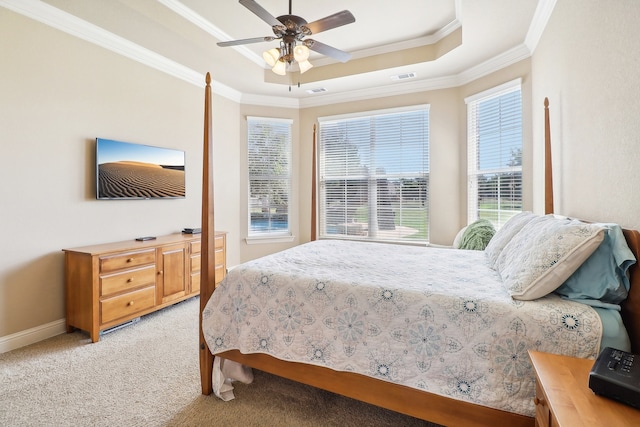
[563, 397]
[109, 284]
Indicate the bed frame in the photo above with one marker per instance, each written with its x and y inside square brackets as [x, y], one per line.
[413, 402]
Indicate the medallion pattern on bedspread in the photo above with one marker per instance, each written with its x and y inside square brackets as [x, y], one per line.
[434, 319]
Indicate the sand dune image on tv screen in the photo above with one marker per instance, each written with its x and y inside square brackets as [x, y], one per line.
[127, 179]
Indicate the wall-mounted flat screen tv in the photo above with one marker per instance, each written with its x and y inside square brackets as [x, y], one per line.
[126, 170]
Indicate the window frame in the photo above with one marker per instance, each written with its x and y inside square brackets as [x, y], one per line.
[375, 176]
[474, 212]
[272, 235]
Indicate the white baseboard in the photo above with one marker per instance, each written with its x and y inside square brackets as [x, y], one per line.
[33, 335]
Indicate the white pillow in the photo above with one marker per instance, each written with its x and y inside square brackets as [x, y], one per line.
[544, 253]
[504, 235]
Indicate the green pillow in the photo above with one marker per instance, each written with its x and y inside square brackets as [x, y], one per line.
[477, 235]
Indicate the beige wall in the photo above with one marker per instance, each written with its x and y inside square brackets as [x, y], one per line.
[58, 93]
[587, 63]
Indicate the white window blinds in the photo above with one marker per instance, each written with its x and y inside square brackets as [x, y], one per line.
[495, 154]
[374, 176]
[269, 165]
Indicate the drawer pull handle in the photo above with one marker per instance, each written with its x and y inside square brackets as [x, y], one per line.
[537, 401]
[160, 272]
[130, 303]
[130, 279]
[129, 259]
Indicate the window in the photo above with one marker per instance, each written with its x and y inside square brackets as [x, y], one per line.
[374, 175]
[269, 164]
[494, 143]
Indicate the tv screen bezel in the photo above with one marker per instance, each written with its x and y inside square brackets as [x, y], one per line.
[148, 149]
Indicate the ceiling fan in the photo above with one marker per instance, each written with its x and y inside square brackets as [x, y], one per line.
[292, 31]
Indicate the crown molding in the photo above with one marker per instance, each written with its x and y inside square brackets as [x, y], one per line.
[196, 19]
[70, 24]
[398, 46]
[84, 30]
[393, 89]
[538, 23]
[494, 64]
[63, 21]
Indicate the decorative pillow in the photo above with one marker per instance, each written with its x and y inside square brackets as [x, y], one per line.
[541, 256]
[505, 234]
[458, 238]
[477, 235]
[603, 276]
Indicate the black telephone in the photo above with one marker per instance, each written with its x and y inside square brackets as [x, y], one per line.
[616, 375]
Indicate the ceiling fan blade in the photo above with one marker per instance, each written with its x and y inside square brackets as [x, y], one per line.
[246, 41]
[260, 12]
[332, 21]
[327, 50]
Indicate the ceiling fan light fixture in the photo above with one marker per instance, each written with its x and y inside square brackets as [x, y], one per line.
[301, 53]
[280, 68]
[271, 56]
[291, 31]
[304, 66]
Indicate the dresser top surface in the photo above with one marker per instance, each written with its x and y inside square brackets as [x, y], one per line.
[133, 245]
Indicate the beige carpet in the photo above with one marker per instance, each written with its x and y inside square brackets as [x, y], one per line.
[147, 374]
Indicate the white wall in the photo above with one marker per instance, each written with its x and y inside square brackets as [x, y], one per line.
[588, 64]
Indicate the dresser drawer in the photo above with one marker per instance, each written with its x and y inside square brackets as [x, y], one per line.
[219, 257]
[195, 263]
[127, 260]
[195, 283]
[126, 280]
[127, 304]
[219, 273]
[195, 269]
[218, 244]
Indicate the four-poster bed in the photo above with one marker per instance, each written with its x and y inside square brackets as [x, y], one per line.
[409, 400]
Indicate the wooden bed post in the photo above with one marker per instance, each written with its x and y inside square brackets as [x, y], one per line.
[548, 172]
[313, 187]
[207, 269]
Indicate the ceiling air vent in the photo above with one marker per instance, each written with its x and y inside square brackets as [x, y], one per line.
[403, 76]
[317, 90]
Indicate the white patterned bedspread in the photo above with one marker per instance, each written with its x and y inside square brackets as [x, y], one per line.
[434, 319]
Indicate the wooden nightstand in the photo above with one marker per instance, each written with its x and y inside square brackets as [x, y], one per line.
[563, 396]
